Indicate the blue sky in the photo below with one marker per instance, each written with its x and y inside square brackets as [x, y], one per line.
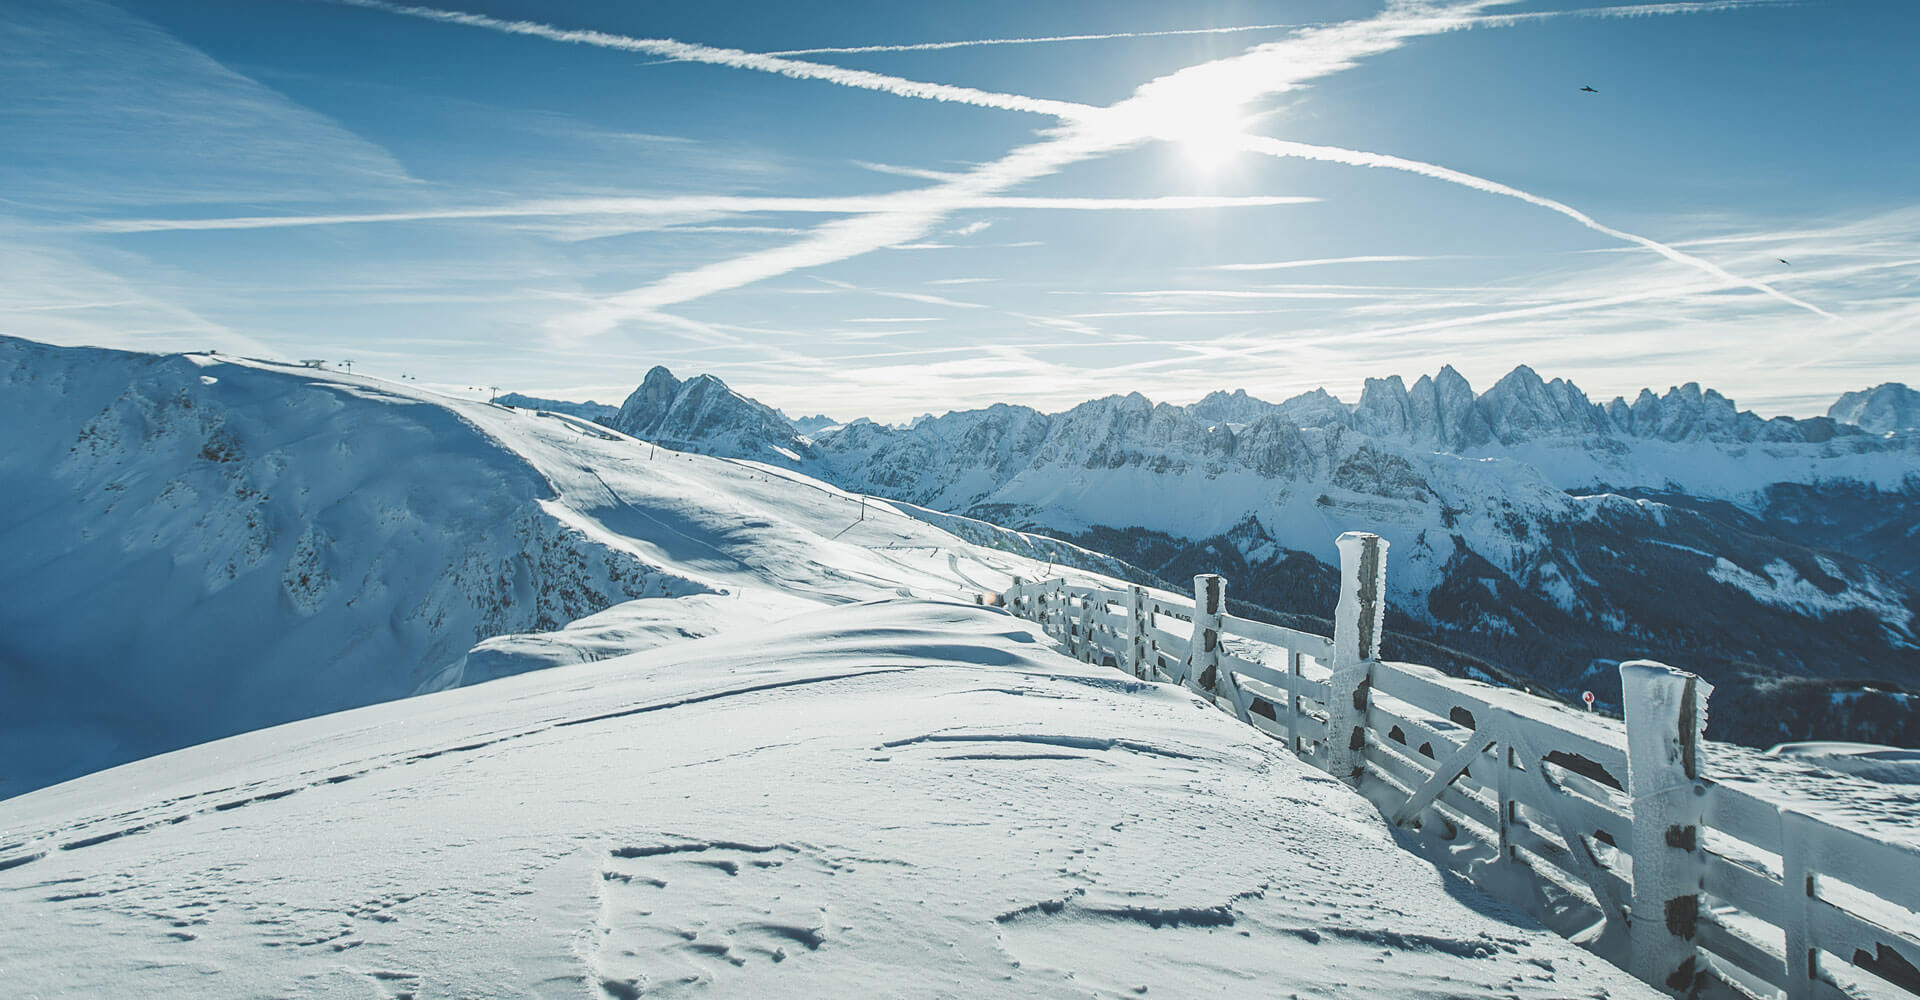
[553, 197]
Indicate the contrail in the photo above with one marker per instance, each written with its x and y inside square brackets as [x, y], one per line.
[1490, 20]
[1282, 265]
[1165, 103]
[1160, 109]
[1042, 40]
[696, 205]
[740, 59]
[1357, 158]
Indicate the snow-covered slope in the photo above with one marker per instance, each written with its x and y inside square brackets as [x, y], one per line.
[195, 546]
[895, 799]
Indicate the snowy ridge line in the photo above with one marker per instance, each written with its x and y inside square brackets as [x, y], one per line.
[1609, 833]
[970, 529]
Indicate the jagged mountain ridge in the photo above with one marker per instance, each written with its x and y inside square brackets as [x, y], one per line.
[1530, 524]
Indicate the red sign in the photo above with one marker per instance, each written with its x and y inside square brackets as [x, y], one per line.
[1587, 696]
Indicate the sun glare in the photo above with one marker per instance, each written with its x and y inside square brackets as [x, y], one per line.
[1209, 132]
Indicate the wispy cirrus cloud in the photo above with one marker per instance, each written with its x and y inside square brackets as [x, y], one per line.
[1358, 158]
[56, 295]
[104, 108]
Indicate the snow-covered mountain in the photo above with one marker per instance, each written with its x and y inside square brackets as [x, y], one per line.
[814, 424]
[1530, 525]
[704, 416]
[1883, 409]
[199, 545]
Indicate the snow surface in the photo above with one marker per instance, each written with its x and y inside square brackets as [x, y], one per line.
[902, 797]
[1894, 765]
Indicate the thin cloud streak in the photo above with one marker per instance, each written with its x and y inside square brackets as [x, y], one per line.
[1040, 40]
[1283, 265]
[694, 205]
[1357, 158]
[739, 59]
[1495, 20]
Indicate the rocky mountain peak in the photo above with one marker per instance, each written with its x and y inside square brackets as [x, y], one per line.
[1887, 407]
[702, 414]
[1523, 406]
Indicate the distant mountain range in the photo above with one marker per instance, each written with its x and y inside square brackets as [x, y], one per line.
[1532, 528]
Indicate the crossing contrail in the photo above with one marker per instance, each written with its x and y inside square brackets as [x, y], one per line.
[1162, 109]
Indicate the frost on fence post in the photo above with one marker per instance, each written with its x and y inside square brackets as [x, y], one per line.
[1356, 646]
[1666, 714]
[1203, 653]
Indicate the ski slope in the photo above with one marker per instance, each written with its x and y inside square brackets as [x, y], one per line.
[900, 797]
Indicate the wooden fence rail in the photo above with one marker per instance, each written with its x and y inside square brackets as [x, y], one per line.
[1618, 835]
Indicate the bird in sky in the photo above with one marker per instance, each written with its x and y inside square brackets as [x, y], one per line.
[1783, 260]
[1589, 90]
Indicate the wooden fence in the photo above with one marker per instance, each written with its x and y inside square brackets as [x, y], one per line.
[1610, 833]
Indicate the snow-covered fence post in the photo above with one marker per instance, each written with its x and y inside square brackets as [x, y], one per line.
[1796, 833]
[1297, 675]
[1356, 647]
[1069, 625]
[1089, 650]
[1203, 653]
[1137, 630]
[1666, 711]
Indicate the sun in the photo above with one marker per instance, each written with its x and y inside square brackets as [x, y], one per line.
[1210, 132]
